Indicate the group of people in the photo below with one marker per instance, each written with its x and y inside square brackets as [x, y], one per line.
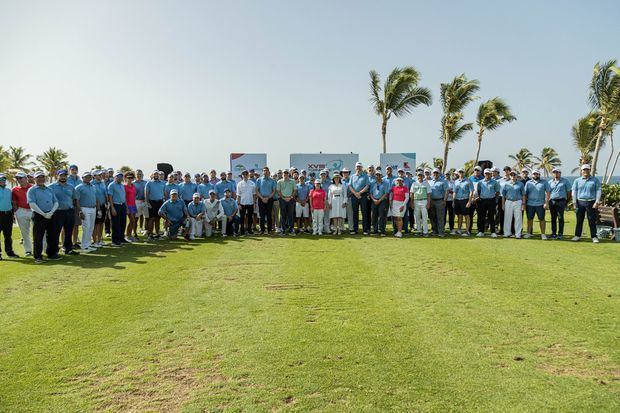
[289, 201]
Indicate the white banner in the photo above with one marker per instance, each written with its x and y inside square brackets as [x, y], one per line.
[246, 161]
[405, 161]
[315, 162]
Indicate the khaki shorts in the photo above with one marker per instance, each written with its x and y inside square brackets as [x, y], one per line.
[143, 210]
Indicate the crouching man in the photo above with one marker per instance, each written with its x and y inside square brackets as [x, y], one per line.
[174, 212]
[213, 213]
[197, 222]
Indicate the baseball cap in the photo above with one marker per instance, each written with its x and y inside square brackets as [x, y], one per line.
[400, 170]
[507, 168]
[62, 172]
[524, 170]
[345, 170]
[436, 170]
[487, 171]
[378, 173]
[174, 191]
[460, 170]
[87, 173]
[3, 177]
[73, 166]
[556, 169]
[398, 178]
[196, 195]
[118, 173]
[20, 175]
[477, 168]
[585, 166]
[420, 173]
[358, 164]
[535, 171]
[39, 173]
[211, 192]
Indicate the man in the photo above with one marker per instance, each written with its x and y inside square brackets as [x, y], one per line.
[463, 196]
[214, 213]
[64, 216]
[101, 191]
[187, 188]
[170, 185]
[205, 187]
[587, 195]
[559, 198]
[537, 192]
[474, 179]
[23, 213]
[87, 206]
[198, 178]
[503, 180]
[277, 222]
[346, 181]
[213, 177]
[154, 199]
[325, 184]
[230, 208]
[359, 188]
[174, 212]
[449, 211]
[108, 178]
[286, 192]
[233, 184]
[74, 180]
[486, 193]
[197, 214]
[302, 207]
[143, 211]
[246, 196]
[420, 191]
[118, 209]
[265, 191]
[43, 203]
[439, 195]
[379, 193]
[6, 217]
[513, 203]
[222, 185]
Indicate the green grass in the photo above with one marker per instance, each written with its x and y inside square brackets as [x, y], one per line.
[351, 324]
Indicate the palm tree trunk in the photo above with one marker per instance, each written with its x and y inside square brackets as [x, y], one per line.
[445, 157]
[597, 148]
[383, 133]
[480, 132]
[613, 168]
[611, 153]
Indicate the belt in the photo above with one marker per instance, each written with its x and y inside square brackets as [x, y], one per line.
[558, 199]
[586, 200]
[10, 211]
[436, 199]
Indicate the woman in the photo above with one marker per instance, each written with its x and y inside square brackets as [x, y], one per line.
[130, 199]
[399, 195]
[317, 206]
[337, 202]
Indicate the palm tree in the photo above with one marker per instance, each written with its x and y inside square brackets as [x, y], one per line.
[438, 163]
[20, 160]
[454, 97]
[4, 159]
[52, 160]
[523, 159]
[584, 133]
[398, 96]
[423, 165]
[125, 168]
[604, 98]
[548, 159]
[469, 167]
[491, 115]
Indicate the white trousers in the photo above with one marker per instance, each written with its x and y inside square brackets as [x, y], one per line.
[210, 228]
[421, 216]
[88, 225]
[349, 213]
[512, 209]
[326, 223]
[318, 217]
[24, 218]
[196, 227]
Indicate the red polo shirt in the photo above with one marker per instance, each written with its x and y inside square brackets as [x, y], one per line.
[19, 196]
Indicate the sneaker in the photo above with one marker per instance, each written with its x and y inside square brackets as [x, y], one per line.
[117, 244]
[38, 261]
[575, 238]
[453, 232]
[77, 246]
[151, 238]
[54, 257]
[12, 255]
[527, 236]
[28, 254]
[191, 238]
[352, 232]
[398, 234]
[560, 237]
[552, 236]
[543, 237]
[465, 234]
[493, 235]
[480, 234]
[72, 252]
[518, 236]
[86, 251]
[595, 240]
[293, 233]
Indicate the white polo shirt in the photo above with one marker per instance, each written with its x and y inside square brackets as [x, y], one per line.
[246, 191]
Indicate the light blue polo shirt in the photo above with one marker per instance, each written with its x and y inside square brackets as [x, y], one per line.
[117, 192]
[204, 189]
[586, 188]
[302, 191]
[220, 188]
[155, 189]
[65, 194]
[174, 211]
[6, 204]
[194, 209]
[43, 196]
[169, 187]
[475, 180]
[535, 192]
[265, 186]
[513, 192]
[87, 195]
[101, 191]
[390, 179]
[462, 189]
[229, 206]
[74, 181]
[377, 190]
[438, 188]
[487, 189]
[187, 191]
[140, 187]
[358, 182]
[559, 188]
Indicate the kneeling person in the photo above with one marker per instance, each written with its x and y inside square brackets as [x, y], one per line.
[174, 212]
[197, 221]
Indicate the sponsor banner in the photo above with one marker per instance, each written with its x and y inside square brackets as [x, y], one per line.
[405, 161]
[315, 162]
[247, 161]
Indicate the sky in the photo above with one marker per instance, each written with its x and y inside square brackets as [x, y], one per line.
[188, 82]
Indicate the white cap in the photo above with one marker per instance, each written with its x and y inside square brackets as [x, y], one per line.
[585, 166]
[38, 174]
[317, 181]
[487, 171]
[477, 168]
[358, 164]
[174, 191]
[196, 195]
[20, 175]
[535, 171]
[436, 170]
[556, 169]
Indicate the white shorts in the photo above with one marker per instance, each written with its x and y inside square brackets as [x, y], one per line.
[396, 212]
[143, 210]
[302, 212]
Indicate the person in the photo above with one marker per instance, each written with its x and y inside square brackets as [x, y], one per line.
[359, 187]
[118, 209]
[408, 217]
[420, 191]
[196, 211]
[87, 206]
[302, 208]
[214, 213]
[64, 216]
[142, 214]
[265, 191]
[439, 195]
[486, 192]
[154, 199]
[220, 187]
[559, 198]
[43, 203]
[475, 178]
[537, 192]
[346, 180]
[246, 196]
[205, 187]
[337, 204]
[317, 205]
[213, 177]
[513, 203]
[174, 211]
[131, 234]
[23, 213]
[501, 180]
[463, 196]
[449, 210]
[399, 197]
[108, 178]
[286, 192]
[277, 222]
[379, 194]
[74, 180]
[6, 218]
[586, 195]
[230, 207]
[170, 185]
[326, 182]
[101, 192]
[187, 188]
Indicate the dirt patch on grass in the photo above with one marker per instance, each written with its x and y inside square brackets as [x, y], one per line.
[559, 360]
[283, 287]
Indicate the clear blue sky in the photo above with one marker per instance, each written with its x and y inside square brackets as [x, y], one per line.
[136, 82]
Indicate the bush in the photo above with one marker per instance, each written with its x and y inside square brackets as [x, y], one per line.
[610, 195]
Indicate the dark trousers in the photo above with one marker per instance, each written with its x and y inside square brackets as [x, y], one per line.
[449, 214]
[379, 214]
[6, 227]
[232, 226]
[264, 211]
[107, 223]
[64, 220]
[584, 208]
[436, 214]
[472, 210]
[119, 222]
[42, 227]
[287, 215]
[408, 221]
[499, 215]
[246, 212]
[486, 214]
[363, 205]
[557, 207]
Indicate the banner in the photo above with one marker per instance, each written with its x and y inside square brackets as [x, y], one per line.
[405, 161]
[315, 162]
[246, 161]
